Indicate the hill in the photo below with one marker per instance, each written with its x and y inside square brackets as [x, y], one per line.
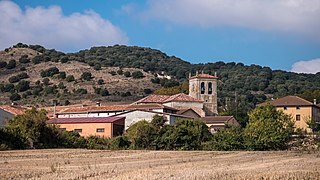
[245, 85]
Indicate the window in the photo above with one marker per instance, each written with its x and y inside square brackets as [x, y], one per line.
[297, 107]
[209, 88]
[202, 88]
[77, 130]
[285, 108]
[298, 117]
[100, 129]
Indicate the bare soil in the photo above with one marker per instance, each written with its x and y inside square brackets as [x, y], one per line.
[104, 164]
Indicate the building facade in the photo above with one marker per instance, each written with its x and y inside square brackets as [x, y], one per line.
[298, 108]
[204, 87]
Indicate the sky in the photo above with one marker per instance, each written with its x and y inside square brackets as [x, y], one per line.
[281, 34]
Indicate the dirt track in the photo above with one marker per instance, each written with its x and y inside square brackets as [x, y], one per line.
[95, 164]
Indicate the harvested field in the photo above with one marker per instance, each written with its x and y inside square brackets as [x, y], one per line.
[98, 164]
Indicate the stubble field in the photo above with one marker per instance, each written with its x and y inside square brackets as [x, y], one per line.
[103, 164]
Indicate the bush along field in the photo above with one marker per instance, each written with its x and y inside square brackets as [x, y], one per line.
[267, 129]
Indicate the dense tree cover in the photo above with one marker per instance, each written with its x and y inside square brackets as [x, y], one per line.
[245, 85]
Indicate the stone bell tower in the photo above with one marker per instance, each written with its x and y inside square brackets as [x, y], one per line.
[204, 87]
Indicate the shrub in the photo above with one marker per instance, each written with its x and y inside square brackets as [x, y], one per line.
[86, 76]
[15, 97]
[118, 143]
[14, 79]
[49, 72]
[104, 92]
[46, 81]
[147, 91]
[37, 59]
[228, 139]
[12, 64]
[100, 81]
[137, 75]
[8, 88]
[113, 73]
[23, 86]
[62, 75]
[120, 72]
[23, 69]
[24, 59]
[127, 74]
[267, 129]
[141, 135]
[81, 91]
[96, 142]
[64, 59]
[70, 78]
[97, 66]
[3, 64]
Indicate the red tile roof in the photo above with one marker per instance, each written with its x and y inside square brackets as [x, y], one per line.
[181, 97]
[206, 76]
[13, 109]
[149, 106]
[288, 101]
[94, 109]
[153, 98]
[85, 120]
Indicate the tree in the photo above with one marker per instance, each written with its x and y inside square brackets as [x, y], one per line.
[97, 66]
[24, 59]
[64, 59]
[46, 81]
[100, 81]
[70, 78]
[127, 74]
[158, 121]
[86, 76]
[23, 86]
[104, 92]
[137, 75]
[3, 64]
[13, 79]
[141, 134]
[267, 129]
[12, 64]
[32, 128]
[313, 124]
[15, 97]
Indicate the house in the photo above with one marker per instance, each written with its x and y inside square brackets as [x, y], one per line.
[136, 115]
[300, 109]
[106, 127]
[217, 122]
[8, 112]
[192, 112]
[91, 111]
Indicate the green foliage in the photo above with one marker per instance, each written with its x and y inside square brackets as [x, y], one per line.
[158, 121]
[228, 139]
[86, 76]
[12, 64]
[49, 72]
[97, 66]
[46, 81]
[64, 59]
[22, 86]
[70, 78]
[120, 72]
[81, 91]
[147, 91]
[100, 81]
[24, 59]
[113, 73]
[62, 75]
[15, 97]
[3, 64]
[37, 60]
[313, 125]
[118, 143]
[96, 142]
[137, 75]
[127, 74]
[267, 129]
[141, 134]
[13, 79]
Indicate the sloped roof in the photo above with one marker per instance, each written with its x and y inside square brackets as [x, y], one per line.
[15, 110]
[153, 98]
[217, 119]
[198, 111]
[85, 120]
[149, 106]
[94, 109]
[154, 112]
[288, 101]
[181, 97]
[204, 76]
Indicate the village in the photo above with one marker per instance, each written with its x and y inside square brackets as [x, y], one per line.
[109, 121]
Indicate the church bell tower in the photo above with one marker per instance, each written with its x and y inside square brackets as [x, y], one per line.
[204, 87]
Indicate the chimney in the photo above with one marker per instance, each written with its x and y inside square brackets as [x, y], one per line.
[98, 104]
[189, 75]
[202, 72]
[315, 101]
[215, 74]
[197, 73]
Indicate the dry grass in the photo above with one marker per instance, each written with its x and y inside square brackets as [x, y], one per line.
[96, 164]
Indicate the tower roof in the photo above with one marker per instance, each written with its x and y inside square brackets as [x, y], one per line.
[204, 76]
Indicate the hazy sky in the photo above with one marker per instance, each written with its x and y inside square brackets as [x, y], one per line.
[282, 34]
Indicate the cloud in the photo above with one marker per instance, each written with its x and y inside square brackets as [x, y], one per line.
[311, 66]
[288, 16]
[49, 27]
